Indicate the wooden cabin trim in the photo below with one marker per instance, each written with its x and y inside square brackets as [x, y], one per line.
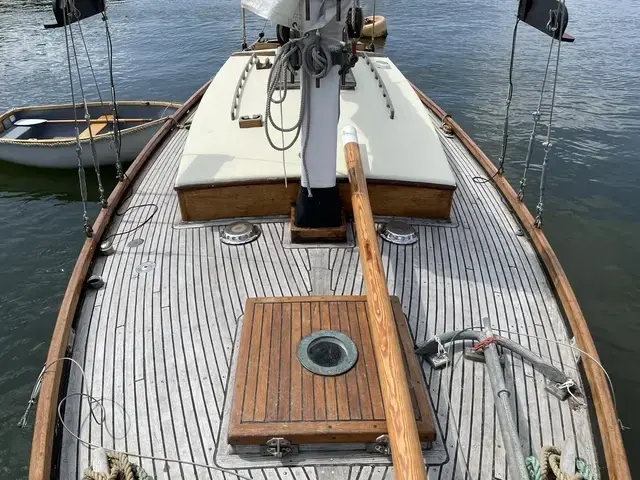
[271, 197]
[46, 414]
[610, 434]
[280, 181]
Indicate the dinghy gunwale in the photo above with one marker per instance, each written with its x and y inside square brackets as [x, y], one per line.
[72, 141]
[42, 446]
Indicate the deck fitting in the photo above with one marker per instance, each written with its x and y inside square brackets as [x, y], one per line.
[398, 232]
[278, 447]
[107, 248]
[239, 233]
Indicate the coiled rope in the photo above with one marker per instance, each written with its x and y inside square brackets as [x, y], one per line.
[120, 468]
[315, 59]
[548, 467]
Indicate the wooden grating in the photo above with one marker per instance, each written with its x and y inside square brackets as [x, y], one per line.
[274, 396]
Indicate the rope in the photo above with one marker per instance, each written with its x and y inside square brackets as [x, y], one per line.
[547, 142]
[573, 348]
[373, 29]
[484, 343]
[81, 175]
[315, 59]
[120, 468]
[505, 129]
[549, 468]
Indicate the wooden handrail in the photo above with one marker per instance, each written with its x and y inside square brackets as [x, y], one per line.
[610, 435]
[45, 422]
[406, 452]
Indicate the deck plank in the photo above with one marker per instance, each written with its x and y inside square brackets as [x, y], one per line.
[162, 343]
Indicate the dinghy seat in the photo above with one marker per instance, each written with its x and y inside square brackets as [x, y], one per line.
[17, 133]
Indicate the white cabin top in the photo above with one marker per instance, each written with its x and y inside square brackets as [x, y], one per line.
[403, 149]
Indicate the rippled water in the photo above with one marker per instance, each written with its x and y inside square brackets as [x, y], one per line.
[456, 52]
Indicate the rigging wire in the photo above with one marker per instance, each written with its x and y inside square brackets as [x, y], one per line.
[117, 136]
[505, 129]
[81, 175]
[93, 73]
[547, 143]
[536, 118]
[371, 46]
[87, 117]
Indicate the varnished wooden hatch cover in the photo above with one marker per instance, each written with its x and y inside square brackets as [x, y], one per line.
[274, 396]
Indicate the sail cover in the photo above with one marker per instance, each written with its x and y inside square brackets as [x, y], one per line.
[296, 13]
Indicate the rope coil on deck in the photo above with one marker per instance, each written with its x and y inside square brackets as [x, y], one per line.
[548, 467]
[120, 468]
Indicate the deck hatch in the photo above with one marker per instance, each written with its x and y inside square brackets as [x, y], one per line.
[276, 396]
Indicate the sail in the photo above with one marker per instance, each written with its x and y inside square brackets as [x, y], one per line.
[296, 13]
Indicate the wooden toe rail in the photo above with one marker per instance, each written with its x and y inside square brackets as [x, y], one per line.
[45, 422]
[408, 462]
[610, 435]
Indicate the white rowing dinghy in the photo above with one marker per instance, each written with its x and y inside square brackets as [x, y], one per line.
[45, 136]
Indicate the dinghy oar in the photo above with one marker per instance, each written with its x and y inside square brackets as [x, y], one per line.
[406, 452]
[31, 122]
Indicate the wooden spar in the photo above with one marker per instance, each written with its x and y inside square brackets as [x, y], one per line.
[408, 462]
[45, 421]
[610, 435]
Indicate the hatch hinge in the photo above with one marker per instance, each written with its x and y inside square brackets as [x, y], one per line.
[380, 446]
[278, 447]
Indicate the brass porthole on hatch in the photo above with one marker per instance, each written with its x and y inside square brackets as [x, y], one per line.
[327, 352]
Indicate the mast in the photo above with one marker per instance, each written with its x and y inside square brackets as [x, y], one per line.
[317, 204]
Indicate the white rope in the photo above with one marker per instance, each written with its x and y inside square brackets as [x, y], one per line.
[577, 349]
[569, 385]
[100, 420]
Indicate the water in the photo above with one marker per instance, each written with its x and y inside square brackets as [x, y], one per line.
[456, 52]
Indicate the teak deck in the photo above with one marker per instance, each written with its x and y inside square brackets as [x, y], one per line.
[274, 396]
[186, 312]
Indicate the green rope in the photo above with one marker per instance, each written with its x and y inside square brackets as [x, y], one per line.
[584, 469]
[533, 467]
[120, 468]
[548, 467]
